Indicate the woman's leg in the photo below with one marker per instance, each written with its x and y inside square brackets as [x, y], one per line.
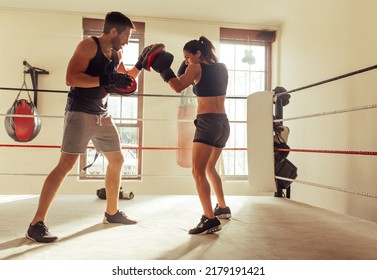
[214, 177]
[201, 153]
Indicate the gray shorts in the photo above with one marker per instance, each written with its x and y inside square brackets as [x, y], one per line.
[80, 128]
[212, 129]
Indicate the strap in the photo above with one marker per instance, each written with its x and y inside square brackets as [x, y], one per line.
[27, 91]
[94, 160]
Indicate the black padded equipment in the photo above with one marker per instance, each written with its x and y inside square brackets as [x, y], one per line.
[182, 68]
[139, 63]
[118, 83]
[162, 63]
[151, 55]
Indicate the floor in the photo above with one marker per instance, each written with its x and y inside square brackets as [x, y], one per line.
[262, 228]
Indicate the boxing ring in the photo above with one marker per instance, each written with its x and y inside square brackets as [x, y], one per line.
[264, 114]
[255, 221]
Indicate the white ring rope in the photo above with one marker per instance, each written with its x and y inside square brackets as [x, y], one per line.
[117, 119]
[328, 187]
[373, 106]
[93, 176]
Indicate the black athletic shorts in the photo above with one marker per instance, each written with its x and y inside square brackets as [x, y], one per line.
[212, 129]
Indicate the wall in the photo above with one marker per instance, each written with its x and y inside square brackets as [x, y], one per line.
[26, 36]
[319, 41]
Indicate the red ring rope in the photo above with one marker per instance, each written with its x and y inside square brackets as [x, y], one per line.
[369, 153]
[328, 151]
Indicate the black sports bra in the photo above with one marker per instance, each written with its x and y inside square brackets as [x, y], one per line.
[214, 80]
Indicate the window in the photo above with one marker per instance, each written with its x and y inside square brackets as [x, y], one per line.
[247, 55]
[126, 112]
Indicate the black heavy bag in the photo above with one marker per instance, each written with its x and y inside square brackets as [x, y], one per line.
[19, 128]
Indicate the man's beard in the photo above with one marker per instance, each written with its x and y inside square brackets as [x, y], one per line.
[115, 43]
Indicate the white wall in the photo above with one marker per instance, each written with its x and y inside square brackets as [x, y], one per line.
[321, 40]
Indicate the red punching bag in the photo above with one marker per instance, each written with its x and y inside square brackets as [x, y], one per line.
[186, 129]
[18, 127]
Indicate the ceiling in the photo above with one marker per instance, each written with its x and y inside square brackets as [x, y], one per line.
[261, 12]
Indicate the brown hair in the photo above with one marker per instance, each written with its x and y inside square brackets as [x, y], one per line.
[118, 21]
[204, 46]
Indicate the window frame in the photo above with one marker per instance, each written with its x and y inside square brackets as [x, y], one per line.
[249, 37]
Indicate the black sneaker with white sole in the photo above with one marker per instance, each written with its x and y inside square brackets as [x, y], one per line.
[222, 213]
[40, 233]
[119, 218]
[206, 226]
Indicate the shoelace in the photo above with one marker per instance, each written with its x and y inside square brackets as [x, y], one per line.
[43, 229]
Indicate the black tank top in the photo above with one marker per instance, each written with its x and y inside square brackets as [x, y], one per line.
[214, 80]
[93, 100]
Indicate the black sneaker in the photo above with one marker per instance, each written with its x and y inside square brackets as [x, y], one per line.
[222, 213]
[206, 226]
[39, 233]
[119, 217]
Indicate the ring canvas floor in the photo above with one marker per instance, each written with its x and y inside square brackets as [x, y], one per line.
[262, 228]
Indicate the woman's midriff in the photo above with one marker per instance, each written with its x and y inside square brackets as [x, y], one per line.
[211, 104]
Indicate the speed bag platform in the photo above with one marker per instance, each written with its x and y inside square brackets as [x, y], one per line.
[19, 128]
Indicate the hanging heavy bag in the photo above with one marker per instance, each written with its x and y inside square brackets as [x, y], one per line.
[22, 128]
[186, 129]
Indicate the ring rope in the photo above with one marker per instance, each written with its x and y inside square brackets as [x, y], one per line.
[117, 119]
[124, 147]
[365, 107]
[329, 80]
[92, 176]
[371, 195]
[130, 95]
[365, 153]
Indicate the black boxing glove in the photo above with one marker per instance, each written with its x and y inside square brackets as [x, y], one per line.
[162, 63]
[182, 68]
[118, 83]
[139, 63]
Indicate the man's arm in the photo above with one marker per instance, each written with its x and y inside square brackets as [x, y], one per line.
[133, 72]
[75, 75]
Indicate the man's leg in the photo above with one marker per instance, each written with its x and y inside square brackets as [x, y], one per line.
[112, 180]
[112, 185]
[37, 230]
[52, 183]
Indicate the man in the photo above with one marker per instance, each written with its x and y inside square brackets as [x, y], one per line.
[95, 70]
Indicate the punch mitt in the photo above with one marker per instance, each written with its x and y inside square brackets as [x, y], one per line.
[151, 55]
[139, 63]
[118, 83]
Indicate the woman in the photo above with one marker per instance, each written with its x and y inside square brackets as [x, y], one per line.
[209, 79]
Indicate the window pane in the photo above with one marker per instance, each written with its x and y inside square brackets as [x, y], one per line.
[129, 140]
[129, 137]
[246, 64]
[130, 52]
[123, 109]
